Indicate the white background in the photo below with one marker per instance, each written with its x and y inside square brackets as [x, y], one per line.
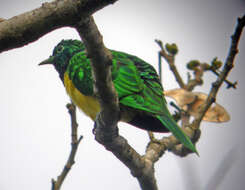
[35, 126]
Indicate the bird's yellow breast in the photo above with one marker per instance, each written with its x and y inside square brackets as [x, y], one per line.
[88, 104]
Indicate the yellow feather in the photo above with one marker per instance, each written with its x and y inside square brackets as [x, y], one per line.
[88, 104]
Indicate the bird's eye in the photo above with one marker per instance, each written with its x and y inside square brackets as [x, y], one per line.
[60, 49]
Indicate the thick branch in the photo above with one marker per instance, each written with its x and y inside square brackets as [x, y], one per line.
[30, 26]
[106, 130]
[101, 63]
[56, 185]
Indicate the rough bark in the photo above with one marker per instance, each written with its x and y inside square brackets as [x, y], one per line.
[30, 26]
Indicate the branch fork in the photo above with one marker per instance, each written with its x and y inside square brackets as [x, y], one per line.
[77, 13]
[75, 141]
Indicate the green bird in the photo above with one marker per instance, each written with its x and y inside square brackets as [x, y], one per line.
[140, 93]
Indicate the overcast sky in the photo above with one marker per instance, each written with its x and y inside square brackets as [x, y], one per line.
[35, 126]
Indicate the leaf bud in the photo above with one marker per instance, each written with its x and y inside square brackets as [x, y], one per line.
[206, 66]
[216, 64]
[171, 48]
[191, 65]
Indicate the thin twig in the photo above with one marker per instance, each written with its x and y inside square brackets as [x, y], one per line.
[229, 83]
[170, 60]
[198, 74]
[155, 150]
[160, 66]
[56, 185]
[229, 64]
[198, 71]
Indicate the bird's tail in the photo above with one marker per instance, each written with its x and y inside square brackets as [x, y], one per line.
[172, 126]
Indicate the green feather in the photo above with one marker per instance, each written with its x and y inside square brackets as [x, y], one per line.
[177, 132]
[136, 82]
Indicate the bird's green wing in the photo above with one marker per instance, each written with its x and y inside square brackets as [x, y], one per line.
[169, 122]
[136, 83]
[138, 86]
[132, 87]
[79, 71]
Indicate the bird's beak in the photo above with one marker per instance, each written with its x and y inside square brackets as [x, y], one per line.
[50, 60]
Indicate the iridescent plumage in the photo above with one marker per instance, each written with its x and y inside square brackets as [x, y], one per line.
[137, 84]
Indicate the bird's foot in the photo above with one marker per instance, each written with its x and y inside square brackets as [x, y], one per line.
[102, 132]
[97, 123]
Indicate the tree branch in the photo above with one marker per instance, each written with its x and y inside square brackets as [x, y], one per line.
[56, 185]
[229, 64]
[30, 26]
[198, 74]
[229, 83]
[156, 149]
[170, 60]
[106, 130]
[101, 60]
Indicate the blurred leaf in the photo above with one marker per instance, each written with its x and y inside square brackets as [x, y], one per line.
[206, 66]
[181, 96]
[194, 100]
[191, 65]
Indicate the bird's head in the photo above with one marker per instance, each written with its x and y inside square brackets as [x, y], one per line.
[62, 53]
